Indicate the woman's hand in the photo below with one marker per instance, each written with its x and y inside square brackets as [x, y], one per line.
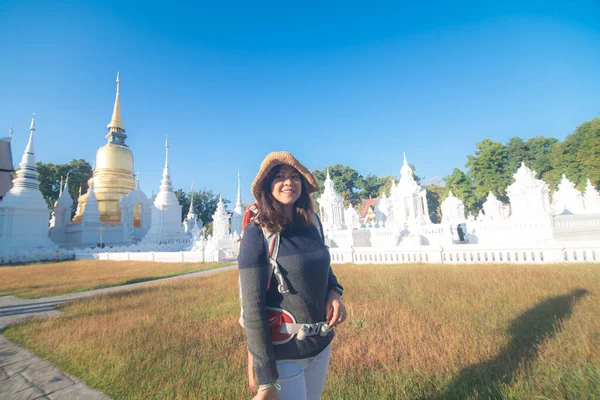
[270, 394]
[336, 310]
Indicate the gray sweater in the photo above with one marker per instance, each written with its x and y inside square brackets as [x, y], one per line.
[304, 262]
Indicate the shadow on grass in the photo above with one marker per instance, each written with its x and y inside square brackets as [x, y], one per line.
[527, 332]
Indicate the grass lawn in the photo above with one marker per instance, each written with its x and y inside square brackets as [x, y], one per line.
[50, 279]
[414, 331]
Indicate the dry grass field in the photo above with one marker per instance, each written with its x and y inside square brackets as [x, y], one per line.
[51, 279]
[413, 332]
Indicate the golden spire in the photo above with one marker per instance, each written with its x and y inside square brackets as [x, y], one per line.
[116, 122]
[61, 186]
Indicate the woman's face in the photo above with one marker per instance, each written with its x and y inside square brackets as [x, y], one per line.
[286, 186]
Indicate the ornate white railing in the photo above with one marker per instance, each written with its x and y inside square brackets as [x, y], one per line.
[157, 256]
[467, 254]
[456, 254]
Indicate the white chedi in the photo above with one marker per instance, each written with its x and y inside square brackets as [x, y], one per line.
[351, 217]
[591, 199]
[220, 221]
[61, 214]
[493, 208]
[529, 197]
[383, 211]
[567, 199]
[166, 213]
[23, 211]
[408, 199]
[192, 225]
[453, 210]
[136, 213]
[331, 207]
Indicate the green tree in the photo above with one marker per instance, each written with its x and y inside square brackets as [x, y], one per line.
[462, 187]
[578, 156]
[435, 193]
[79, 172]
[205, 204]
[347, 182]
[489, 169]
[535, 153]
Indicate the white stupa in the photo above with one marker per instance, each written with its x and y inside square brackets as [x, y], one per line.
[166, 214]
[351, 217]
[384, 211]
[529, 197]
[453, 210]
[238, 211]
[192, 224]
[493, 208]
[220, 221]
[591, 199]
[409, 199]
[331, 207]
[24, 214]
[567, 199]
[61, 213]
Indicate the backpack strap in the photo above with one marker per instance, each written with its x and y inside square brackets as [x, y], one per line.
[272, 243]
[319, 226]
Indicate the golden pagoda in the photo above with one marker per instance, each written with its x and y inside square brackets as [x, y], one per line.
[113, 174]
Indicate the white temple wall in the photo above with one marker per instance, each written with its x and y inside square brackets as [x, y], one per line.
[584, 227]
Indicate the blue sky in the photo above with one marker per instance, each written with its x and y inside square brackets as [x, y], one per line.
[350, 83]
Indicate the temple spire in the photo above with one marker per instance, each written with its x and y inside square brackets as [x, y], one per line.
[116, 129]
[191, 210]
[165, 183]
[167, 152]
[10, 133]
[60, 189]
[27, 176]
[238, 201]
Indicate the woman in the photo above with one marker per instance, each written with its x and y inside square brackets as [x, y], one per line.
[288, 320]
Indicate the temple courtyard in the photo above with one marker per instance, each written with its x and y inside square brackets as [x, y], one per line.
[414, 331]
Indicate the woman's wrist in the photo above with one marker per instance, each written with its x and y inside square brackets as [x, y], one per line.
[337, 289]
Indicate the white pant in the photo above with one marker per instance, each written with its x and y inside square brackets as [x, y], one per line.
[303, 379]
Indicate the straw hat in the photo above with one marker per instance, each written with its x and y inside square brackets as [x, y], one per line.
[278, 158]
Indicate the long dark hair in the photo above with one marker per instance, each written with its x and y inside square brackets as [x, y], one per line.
[270, 211]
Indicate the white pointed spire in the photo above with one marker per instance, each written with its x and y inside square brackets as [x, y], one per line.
[238, 202]
[91, 213]
[65, 197]
[591, 199]
[10, 133]
[165, 183]
[191, 210]
[27, 174]
[60, 188]
[166, 151]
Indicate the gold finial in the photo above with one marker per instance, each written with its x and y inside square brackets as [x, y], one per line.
[67, 181]
[79, 190]
[32, 126]
[61, 186]
[116, 122]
